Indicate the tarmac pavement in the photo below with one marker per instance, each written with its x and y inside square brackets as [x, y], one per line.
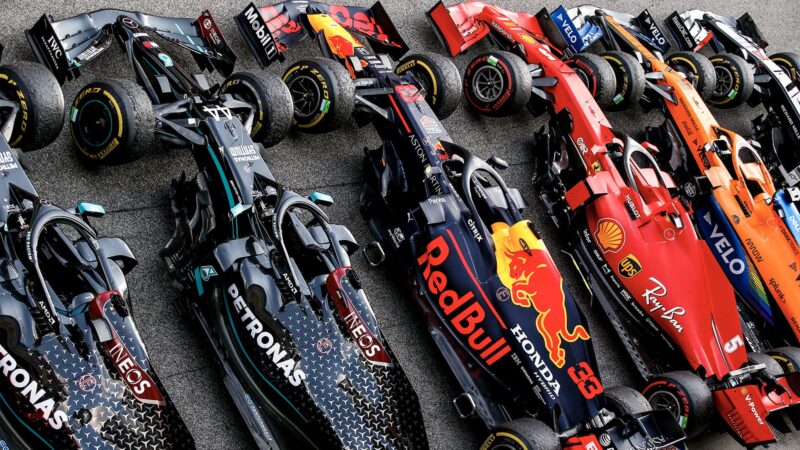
[135, 197]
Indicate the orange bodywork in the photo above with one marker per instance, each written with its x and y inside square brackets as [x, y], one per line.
[741, 185]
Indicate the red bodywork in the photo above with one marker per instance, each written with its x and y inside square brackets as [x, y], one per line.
[675, 278]
[679, 283]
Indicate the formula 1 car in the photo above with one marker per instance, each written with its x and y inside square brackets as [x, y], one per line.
[744, 73]
[731, 194]
[493, 299]
[75, 372]
[261, 269]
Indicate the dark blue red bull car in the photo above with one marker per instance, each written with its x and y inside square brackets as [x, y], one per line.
[493, 299]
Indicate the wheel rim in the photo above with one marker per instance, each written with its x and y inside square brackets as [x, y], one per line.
[487, 84]
[306, 96]
[724, 81]
[666, 400]
[95, 119]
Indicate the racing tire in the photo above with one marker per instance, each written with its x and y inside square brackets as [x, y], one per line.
[622, 400]
[629, 75]
[773, 367]
[598, 76]
[38, 88]
[272, 101]
[698, 70]
[787, 357]
[686, 396]
[735, 81]
[438, 76]
[323, 94]
[522, 434]
[788, 61]
[497, 83]
[112, 122]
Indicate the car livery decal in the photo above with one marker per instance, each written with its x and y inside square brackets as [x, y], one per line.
[526, 269]
[789, 212]
[730, 253]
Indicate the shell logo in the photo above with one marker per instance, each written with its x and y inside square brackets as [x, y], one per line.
[609, 235]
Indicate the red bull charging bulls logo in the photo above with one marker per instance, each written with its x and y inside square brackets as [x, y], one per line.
[526, 269]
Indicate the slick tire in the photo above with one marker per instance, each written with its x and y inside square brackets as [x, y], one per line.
[630, 79]
[322, 93]
[497, 83]
[598, 76]
[788, 61]
[438, 76]
[735, 81]
[522, 434]
[112, 122]
[788, 358]
[272, 100]
[622, 400]
[773, 367]
[36, 86]
[686, 396]
[698, 70]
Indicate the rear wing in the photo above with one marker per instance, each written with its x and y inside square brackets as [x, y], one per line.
[271, 30]
[456, 26]
[64, 46]
[576, 31]
[461, 25]
[690, 29]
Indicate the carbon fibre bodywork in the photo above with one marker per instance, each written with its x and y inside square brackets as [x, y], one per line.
[260, 269]
[76, 373]
[491, 295]
[269, 281]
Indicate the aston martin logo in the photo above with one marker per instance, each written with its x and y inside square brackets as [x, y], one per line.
[609, 235]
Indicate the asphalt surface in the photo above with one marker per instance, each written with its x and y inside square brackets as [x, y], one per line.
[135, 197]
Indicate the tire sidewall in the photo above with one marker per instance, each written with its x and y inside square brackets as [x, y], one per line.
[684, 414]
[789, 63]
[25, 122]
[121, 133]
[789, 359]
[627, 89]
[41, 103]
[422, 68]
[507, 92]
[241, 84]
[703, 83]
[328, 91]
[587, 74]
[737, 94]
[505, 438]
